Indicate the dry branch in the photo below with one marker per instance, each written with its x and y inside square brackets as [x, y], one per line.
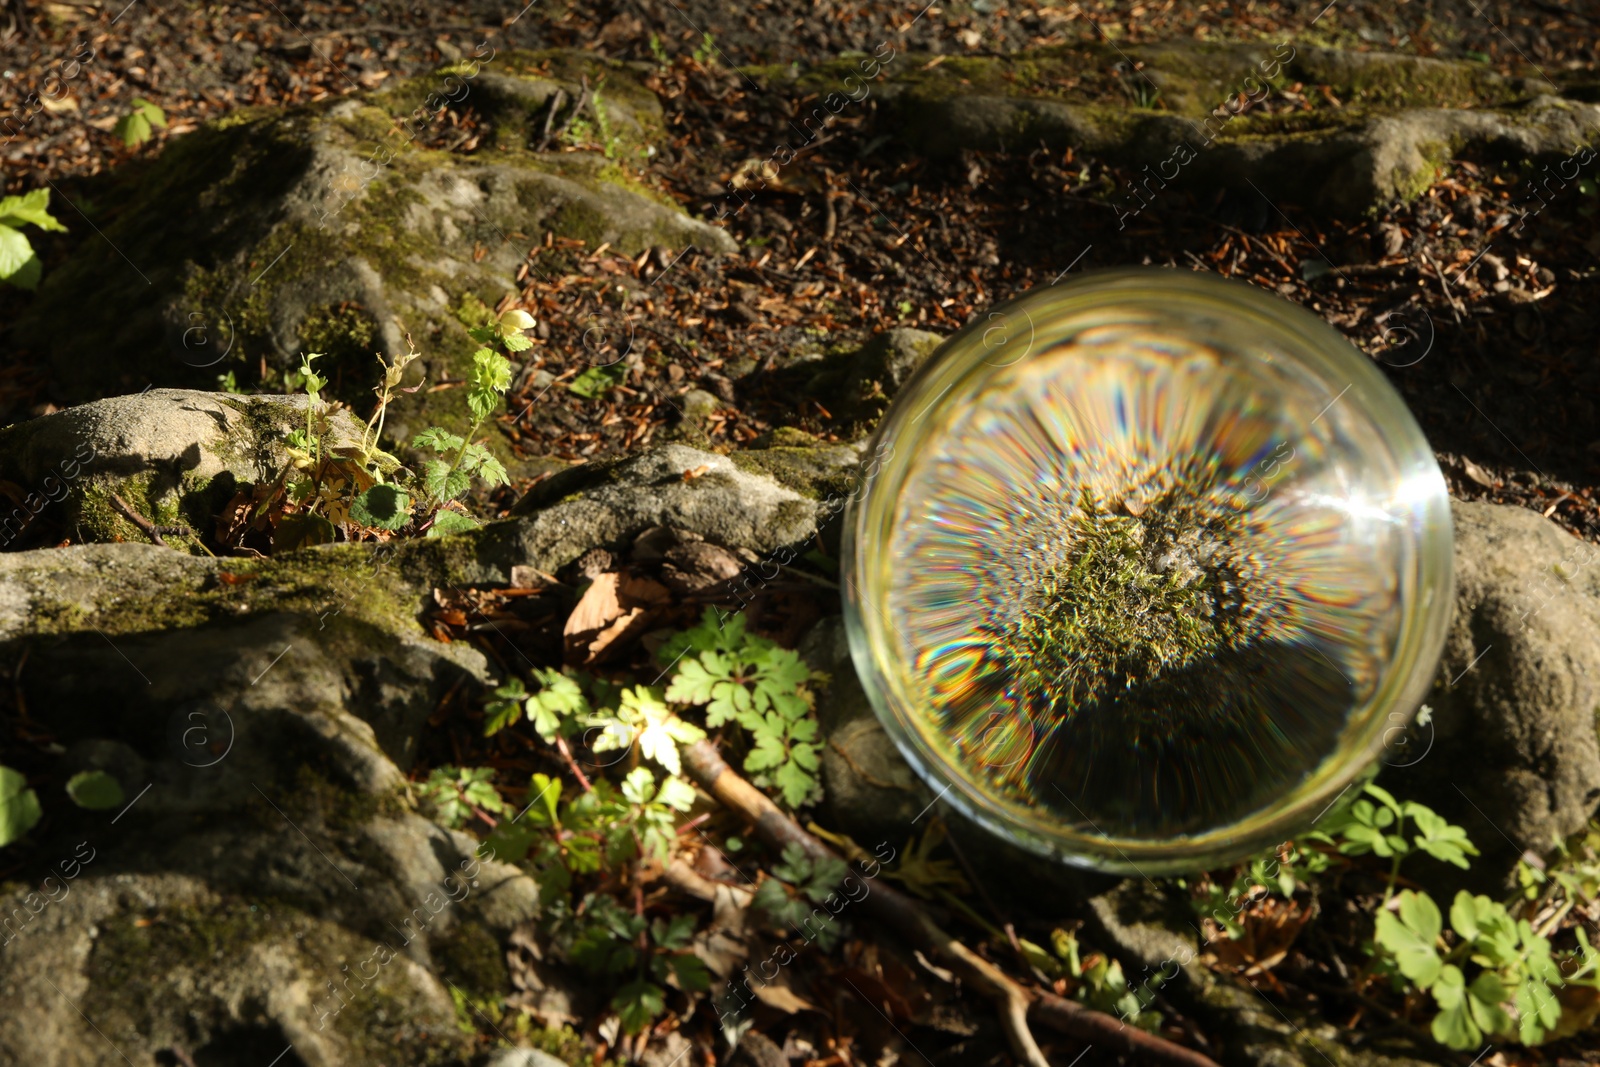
[907, 917]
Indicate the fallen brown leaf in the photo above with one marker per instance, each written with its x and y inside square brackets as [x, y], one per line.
[615, 607]
[1270, 928]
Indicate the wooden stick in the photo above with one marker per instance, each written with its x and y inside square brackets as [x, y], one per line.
[138, 520]
[906, 916]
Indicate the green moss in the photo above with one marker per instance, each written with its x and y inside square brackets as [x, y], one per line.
[135, 957]
[806, 470]
[338, 332]
[472, 959]
[164, 499]
[1118, 612]
[786, 437]
[1437, 155]
[1397, 81]
[347, 337]
[316, 798]
[381, 1023]
[472, 312]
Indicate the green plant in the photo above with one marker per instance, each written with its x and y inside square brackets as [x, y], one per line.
[134, 127]
[797, 887]
[615, 942]
[658, 52]
[608, 832]
[705, 53]
[1144, 94]
[361, 491]
[602, 828]
[457, 793]
[643, 719]
[19, 264]
[1511, 997]
[1100, 983]
[606, 835]
[1380, 829]
[598, 380]
[557, 710]
[1493, 974]
[748, 680]
[1280, 872]
[94, 790]
[736, 677]
[446, 478]
[19, 806]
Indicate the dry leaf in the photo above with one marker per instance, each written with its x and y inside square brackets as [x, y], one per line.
[721, 946]
[525, 577]
[615, 607]
[780, 992]
[1270, 927]
[756, 172]
[554, 996]
[1477, 474]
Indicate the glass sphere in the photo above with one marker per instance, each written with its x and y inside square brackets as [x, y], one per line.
[1147, 565]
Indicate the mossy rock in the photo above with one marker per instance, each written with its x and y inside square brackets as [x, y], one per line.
[856, 380]
[163, 962]
[1380, 133]
[173, 456]
[329, 227]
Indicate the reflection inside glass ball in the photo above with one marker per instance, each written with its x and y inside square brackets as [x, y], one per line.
[1136, 580]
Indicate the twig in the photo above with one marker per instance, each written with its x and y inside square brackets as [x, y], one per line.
[139, 520]
[556, 103]
[572, 764]
[1444, 286]
[585, 99]
[1097, 1027]
[686, 879]
[907, 917]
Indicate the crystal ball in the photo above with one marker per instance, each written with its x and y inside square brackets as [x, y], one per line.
[1145, 567]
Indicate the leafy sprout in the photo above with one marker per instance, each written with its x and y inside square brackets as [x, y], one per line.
[799, 884]
[456, 792]
[134, 128]
[19, 264]
[745, 679]
[19, 806]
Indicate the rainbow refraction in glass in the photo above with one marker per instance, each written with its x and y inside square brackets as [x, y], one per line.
[1143, 568]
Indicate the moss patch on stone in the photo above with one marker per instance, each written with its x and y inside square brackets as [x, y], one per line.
[134, 956]
[813, 472]
[472, 959]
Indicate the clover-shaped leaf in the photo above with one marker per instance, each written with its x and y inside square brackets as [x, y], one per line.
[1410, 936]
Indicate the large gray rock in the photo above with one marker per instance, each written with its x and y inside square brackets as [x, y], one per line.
[259, 728]
[605, 504]
[1515, 758]
[173, 455]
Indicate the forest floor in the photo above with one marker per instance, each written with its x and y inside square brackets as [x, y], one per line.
[1479, 315]
[1484, 324]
